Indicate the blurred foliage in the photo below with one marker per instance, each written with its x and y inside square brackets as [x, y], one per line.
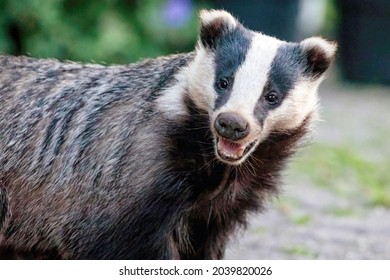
[111, 31]
[348, 172]
[331, 19]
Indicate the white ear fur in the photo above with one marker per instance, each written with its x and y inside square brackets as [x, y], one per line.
[319, 53]
[328, 47]
[207, 17]
[213, 24]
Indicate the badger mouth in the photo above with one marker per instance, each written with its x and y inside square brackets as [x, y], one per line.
[232, 152]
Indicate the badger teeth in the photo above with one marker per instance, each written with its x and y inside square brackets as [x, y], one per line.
[232, 151]
[229, 149]
[230, 156]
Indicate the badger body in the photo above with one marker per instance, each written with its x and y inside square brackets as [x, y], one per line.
[162, 159]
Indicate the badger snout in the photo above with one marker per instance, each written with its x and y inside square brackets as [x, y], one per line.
[231, 126]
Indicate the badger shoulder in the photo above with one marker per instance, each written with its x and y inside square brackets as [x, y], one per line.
[68, 116]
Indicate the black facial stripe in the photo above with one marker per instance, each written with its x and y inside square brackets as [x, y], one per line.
[286, 67]
[285, 70]
[230, 52]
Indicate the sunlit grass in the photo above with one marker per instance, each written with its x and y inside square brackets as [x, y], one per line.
[347, 172]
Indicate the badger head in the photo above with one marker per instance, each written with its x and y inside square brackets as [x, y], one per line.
[251, 84]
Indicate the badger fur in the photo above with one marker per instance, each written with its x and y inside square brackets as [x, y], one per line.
[162, 159]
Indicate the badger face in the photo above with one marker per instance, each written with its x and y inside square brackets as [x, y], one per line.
[252, 84]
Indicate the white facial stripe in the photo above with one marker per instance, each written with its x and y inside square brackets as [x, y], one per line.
[170, 100]
[298, 104]
[201, 80]
[198, 79]
[251, 77]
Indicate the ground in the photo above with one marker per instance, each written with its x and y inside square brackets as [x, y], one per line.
[335, 200]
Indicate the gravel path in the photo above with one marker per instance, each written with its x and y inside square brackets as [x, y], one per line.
[306, 221]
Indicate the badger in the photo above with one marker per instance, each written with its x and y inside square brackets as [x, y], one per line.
[161, 159]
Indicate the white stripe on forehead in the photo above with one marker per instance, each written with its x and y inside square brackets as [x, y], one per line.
[251, 77]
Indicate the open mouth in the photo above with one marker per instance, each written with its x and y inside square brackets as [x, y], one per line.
[232, 151]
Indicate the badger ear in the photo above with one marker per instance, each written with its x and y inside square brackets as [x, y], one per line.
[212, 24]
[319, 55]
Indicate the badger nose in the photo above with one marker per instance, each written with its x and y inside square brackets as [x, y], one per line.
[231, 126]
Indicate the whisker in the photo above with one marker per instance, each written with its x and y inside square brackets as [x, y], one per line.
[257, 160]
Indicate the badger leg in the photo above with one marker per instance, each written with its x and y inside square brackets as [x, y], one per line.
[215, 246]
[207, 240]
[140, 230]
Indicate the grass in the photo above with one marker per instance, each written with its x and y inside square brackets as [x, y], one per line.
[300, 251]
[346, 171]
[342, 212]
[301, 219]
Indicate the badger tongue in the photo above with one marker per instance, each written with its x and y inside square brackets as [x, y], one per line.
[229, 149]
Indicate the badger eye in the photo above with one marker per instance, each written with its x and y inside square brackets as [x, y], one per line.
[272, 98]
[223, 84]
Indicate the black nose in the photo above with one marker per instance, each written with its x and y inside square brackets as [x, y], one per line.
[231, 126]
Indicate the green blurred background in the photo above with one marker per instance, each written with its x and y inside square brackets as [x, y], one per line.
[119, 31]
[116, 31]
